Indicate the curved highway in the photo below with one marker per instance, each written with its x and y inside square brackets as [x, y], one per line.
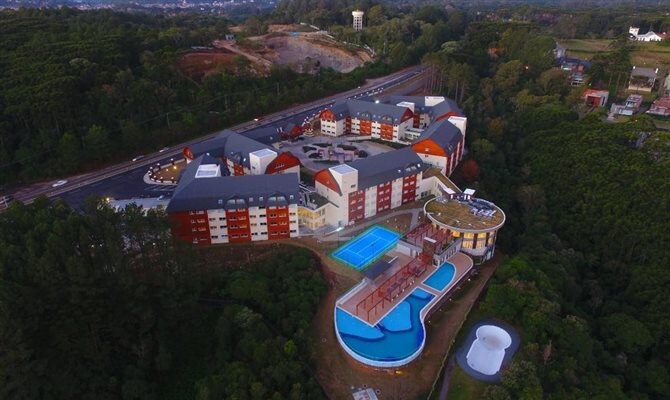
[125, 180]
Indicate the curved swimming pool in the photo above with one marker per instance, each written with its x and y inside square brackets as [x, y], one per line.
[394, 341]
[442, 277]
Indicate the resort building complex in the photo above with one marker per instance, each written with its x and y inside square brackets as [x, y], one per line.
[243, 187]
[210, 207]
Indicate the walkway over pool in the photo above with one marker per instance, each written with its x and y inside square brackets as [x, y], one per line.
[382, 325]
[379, 304]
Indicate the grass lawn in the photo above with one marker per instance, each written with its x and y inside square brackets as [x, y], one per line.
[651, 55]
[586, 45]
[462, 387]
[662, 124]
[643, 54]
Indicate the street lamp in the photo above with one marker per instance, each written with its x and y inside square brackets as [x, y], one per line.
[338, 230]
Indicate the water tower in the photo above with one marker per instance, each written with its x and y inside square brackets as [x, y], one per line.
[358, 19]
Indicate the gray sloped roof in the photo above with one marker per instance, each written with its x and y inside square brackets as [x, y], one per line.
[643, 71]
[419, 102]
[340, 109]
[444, 133]
[387, 166]
[368, 110]
[266, 135]
[446, 106]
[229, 144]
[379, 112]
[441, 108]
[244, 191]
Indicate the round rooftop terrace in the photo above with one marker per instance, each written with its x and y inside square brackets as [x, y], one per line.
[465, 215]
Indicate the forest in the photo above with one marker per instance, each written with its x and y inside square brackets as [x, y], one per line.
[79, 90]
[586, 239]
[103, 305]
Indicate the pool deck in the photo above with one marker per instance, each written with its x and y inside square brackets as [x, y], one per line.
[349, 301]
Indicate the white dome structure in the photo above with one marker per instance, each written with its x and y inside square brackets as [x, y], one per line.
[487, 352]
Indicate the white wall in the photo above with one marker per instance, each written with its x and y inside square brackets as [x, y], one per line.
[460, 122]
[348, 181]
[217, 226]
[259, 161]
[438, 161]
[370, 201]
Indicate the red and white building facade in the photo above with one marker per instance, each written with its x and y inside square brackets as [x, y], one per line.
[239, 188]
[209, 208]
[366, 187]
[434, 126]
[245, 156]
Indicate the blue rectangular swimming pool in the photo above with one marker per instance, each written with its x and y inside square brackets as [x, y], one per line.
[441, 278]
[365, 248]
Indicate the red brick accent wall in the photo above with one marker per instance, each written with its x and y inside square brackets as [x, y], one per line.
[278, 223]
[384, 196]
[239, 228]
[366, 128]
[356, 200]
[191, 227]
[327, 115]
[386, 132]
[408, 189]
[428, 146]
[238, 169]
[325, 178]
[283, 162]
[408, 114]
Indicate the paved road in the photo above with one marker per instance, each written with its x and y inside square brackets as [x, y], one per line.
[125, 180]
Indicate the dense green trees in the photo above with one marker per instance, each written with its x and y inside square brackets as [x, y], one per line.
[99, 305]
[78, 89]
[587, 206]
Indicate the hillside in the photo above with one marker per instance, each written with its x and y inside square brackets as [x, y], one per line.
[286, 45]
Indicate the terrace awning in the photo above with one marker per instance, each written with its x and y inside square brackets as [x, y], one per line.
[377, 268]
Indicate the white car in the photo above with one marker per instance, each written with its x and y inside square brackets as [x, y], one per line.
[163, 149]
[138, 158]
[59, 183]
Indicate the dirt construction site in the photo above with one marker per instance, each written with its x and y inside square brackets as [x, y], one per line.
[290, 45]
